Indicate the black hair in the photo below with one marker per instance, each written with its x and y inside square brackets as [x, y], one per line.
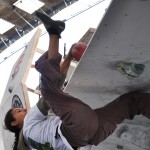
[8, 120]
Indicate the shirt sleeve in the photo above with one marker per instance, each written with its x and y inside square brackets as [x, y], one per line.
[38, 129]
[43, 107]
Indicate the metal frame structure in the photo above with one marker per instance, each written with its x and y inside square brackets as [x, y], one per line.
[23, 21]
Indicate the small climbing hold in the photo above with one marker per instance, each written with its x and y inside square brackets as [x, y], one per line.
[130, 69]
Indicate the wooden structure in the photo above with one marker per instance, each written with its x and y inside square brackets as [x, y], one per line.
[16, 92]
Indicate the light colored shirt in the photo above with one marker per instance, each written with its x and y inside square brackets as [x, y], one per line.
[40, 131]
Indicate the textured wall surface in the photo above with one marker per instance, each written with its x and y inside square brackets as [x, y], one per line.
[115, 62]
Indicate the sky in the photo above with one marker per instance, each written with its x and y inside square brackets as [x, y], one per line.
[76, 27]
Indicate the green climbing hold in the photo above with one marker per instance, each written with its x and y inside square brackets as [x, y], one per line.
[119, 146]
[130, 69]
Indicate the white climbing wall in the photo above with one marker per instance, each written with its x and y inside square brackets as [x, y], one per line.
[105, 72]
